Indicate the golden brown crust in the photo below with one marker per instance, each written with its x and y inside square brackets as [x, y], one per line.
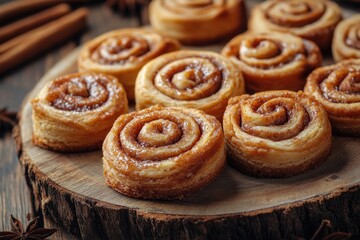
[163, 153]
[63, 147]
[276, 133]
[75, 112]
[312, 20]
[336, 87]
[122, 53]
[197, 22]
[192, 79]
[273, 61]
[346, 42]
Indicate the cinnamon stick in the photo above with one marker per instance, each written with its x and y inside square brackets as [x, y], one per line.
[33, 21]
[14, 9]
[44, 38]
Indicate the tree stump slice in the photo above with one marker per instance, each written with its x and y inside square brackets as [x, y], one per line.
[70, 189]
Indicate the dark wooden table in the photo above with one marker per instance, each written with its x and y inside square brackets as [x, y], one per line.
[15, 198]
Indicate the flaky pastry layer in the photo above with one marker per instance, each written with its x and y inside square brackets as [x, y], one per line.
[75, 112]
[309, 19]
[276, 133]
[197, 22]
[337, 88]
[163, 153]
[122, 53]
[346, 42]
[273, 61]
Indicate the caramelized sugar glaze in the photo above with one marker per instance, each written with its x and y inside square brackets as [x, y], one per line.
[79, 92]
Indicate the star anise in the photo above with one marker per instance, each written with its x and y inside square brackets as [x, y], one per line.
[32, 232]
[323, 233]
[7, 119]
[137, 8]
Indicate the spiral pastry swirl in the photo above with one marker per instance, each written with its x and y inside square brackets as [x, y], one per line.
[163, 153]
[75, 112]
[121, 50]
[122, 53]
[197, 21]
[312, 20]
[192, 79]
[337, 88]
[346, 42]
[273, 61]
[276, 133]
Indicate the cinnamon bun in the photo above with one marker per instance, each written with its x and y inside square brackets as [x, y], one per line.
[337, 88]
[75, 112]
[276, 133]
[197, 22]
[122, 53]
[192, 79]
[309, 19]
[346, 42]
[163, 153]
[273, 61]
